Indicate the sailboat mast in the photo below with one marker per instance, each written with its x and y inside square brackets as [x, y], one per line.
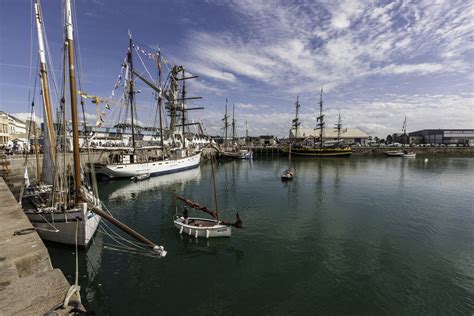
[160, 99]
[246, 131]
[233, 123]
[321, 118]
[44, 81]
[404, 131]
[183, 119]
[36, 144]
[214, 186]
[130, 92]
[339, 127]
[73, 94]
[296, 122]
[225, 124]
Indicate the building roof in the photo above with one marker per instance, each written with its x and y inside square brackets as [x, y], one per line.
[12, 117]
[329, 133]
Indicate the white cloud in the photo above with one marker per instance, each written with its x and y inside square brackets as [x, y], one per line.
[419, 69]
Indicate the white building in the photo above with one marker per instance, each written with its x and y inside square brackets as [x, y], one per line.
[11, 128]
[348, 136]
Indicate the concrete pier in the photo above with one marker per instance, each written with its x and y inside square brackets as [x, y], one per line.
[29, 285]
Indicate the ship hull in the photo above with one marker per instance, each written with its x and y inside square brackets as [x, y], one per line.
[320, 152]
[61, 227]
[208, 228]
[154, 168]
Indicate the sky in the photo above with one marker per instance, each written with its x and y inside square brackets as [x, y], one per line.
[377, 61]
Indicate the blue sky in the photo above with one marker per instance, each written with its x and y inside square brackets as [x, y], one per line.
[377, 60]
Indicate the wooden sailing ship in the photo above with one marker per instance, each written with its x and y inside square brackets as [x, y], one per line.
[61, 211]
[313, 149]
[175, 157]
[233, 150]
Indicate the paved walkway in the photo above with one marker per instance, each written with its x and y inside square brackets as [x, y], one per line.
[28, 283]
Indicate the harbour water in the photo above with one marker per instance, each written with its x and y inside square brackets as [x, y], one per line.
[346, 236]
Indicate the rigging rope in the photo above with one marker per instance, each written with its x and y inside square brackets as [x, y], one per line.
[75, 288]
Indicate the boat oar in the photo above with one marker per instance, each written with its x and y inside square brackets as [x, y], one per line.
[158, 249]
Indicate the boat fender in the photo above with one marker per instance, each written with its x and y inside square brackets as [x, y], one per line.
[207, 233]
[196, 234]
[181, 230]
[190, 232]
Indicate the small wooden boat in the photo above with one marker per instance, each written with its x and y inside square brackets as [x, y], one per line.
[409, 155]
[204, 227]
[140, 177]
[288, 173]
[394, 153]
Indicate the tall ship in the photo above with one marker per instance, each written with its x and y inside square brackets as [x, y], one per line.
[61, 210]
[63, 205]
[233, 150]
[309, 147]
[174, 154]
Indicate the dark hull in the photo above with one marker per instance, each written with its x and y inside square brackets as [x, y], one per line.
[320, 152]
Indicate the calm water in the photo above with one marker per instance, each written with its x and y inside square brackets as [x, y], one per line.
[347, 236]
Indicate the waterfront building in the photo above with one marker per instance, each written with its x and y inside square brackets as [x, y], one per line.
[463, 137]
[350, 136]
[4, 131]
[11, 128]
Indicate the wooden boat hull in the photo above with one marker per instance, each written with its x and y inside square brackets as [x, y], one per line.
[210, 228]
[243, 154]
[60, 227]
[320, 152]
[394, 153]
[154, 168]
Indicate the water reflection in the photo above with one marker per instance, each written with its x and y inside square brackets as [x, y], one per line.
[358, 235]
[125, 189]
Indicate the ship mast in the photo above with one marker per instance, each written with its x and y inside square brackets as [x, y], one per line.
[45, 83]
[320, 119]
[233, 123]
[339, 127]
[131, 92]
[73, 94]
[296, 121]
[160, 99]
[183, 118]
[226, 124]
[404, 128]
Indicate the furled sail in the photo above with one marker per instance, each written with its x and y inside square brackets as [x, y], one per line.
[47, 172]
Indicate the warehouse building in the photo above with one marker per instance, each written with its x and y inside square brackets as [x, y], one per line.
[463, 137]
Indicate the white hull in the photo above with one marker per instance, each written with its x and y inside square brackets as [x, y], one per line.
[61, 227]
[409, 155]
[213, 230]
[394, 153]
[241, 154]
[154, 168]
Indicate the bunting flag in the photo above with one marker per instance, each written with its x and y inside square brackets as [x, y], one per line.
[153, 56]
